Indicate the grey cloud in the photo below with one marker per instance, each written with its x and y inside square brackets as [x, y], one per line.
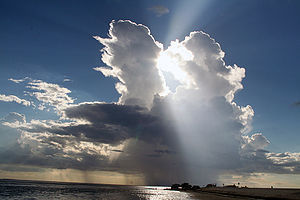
[14, 117]
[24, 156]
[297, 103]
[207, 140]
[111, 123]
[161, 151]
[261, 161]
[254, 143]
[55, 151]
[146, 131]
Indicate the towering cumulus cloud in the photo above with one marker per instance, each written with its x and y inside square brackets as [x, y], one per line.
[209, 124]
[131, 54]
[199, 123]
[195, 133]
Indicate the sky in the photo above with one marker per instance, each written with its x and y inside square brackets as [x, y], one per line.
[150, 91]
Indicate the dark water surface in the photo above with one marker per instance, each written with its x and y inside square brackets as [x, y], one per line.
[32, 190]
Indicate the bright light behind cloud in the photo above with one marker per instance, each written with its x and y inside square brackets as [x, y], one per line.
[174, 56]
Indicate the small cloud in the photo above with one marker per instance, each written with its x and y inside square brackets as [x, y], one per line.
[41, 107]
[18, 80]
[67, 80]
[159, 10]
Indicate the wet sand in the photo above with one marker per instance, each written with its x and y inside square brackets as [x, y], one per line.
[221, 193]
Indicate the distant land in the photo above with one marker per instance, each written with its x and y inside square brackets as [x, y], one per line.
[229, 192]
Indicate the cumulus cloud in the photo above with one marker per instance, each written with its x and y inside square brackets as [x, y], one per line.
[131, 53]
[159, 10]
[106, 123]
[287, 162]
[256, 142]
[133, 134]
[13, 98]
[112, 123]
[195, 133]
[205, 69]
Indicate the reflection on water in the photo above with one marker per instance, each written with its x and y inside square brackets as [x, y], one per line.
[32, 190]
[159, 193]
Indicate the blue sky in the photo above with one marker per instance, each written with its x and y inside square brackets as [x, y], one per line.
[53, 40]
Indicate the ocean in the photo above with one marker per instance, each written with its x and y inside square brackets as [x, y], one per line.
[39, 190]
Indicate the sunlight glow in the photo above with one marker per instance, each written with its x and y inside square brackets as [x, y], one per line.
[171, 59]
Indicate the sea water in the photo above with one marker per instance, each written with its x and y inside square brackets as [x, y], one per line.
[33, 190]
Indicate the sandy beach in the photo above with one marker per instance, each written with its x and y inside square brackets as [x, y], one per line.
[220, 193]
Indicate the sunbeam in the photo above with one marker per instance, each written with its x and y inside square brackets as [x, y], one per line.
[184, 15]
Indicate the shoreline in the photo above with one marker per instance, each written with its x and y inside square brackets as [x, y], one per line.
[223, 193]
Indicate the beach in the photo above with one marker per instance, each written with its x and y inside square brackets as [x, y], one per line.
[223, 193]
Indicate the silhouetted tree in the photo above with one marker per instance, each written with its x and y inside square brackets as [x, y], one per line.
[196, 187]
[175, 186]
[186, 186]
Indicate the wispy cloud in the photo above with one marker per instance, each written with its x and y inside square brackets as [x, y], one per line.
[13, 98]
[18, 80]
[51, 94]
[67, 80]
[159, 10]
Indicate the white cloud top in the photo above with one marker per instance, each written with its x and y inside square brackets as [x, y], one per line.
[18, 80]
[13, 98]
[131, 54]
[51, 94]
